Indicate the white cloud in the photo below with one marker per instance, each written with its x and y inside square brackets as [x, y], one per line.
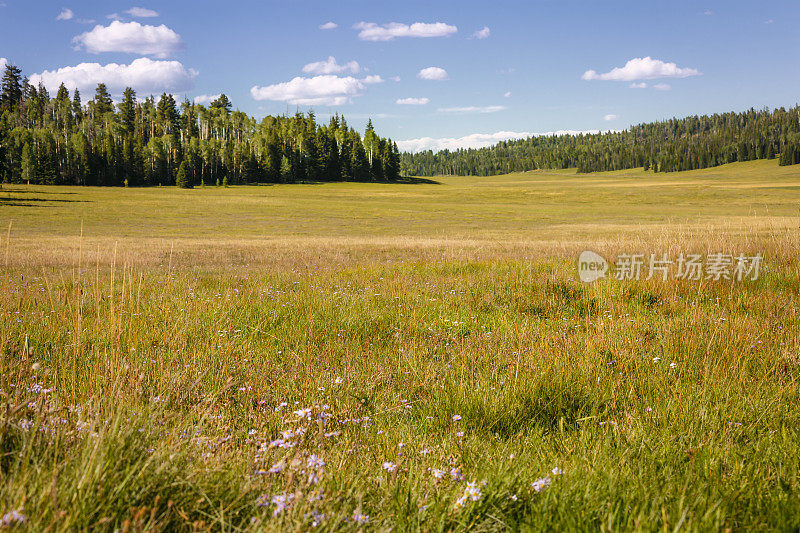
[433, 73]
[330, 66]
[662, 87]
[412, 101]
[131, 37]
[206, 99]
[476, 140]
[143, 74]
[641, 85]
[370, 31]
[319, 90]
[507, 95]
[768, 21]
[141, 12]
[396, 78]
[472, 109]
[66, 14]
[610, 117]
[3, 63]
[373, 79]
[482, 33]
[642, 68]
[328, 26]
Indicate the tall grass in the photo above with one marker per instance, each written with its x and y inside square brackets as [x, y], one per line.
[154, 398]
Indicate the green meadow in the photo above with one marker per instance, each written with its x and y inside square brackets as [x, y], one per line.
[416, 356]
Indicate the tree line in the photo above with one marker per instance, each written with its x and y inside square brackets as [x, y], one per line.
[61, 140]
[668, 146]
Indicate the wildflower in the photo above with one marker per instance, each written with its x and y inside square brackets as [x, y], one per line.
[656, 359]
[557, 471]
[12, 517]
[277, 467]
[456, 418]
[438, 474]
[332, 434]
[540, 484]
[455, 474]
[303, 413]
[315, 462]
[513, 497]
[649, 409]
[426, 451]
[672, 365]
[471, 493]
[390, 467]
[282, 502]
[317, 518]
[337, 381]
[460, 434]
[360, 518]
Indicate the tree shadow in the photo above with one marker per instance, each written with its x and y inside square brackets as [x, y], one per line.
[33, 202]
[414, 180]
[4, 188]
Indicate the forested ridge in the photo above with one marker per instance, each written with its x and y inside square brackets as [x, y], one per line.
[673, 145]
[61, 140]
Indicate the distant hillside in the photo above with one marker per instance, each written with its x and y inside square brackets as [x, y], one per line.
[673, 145]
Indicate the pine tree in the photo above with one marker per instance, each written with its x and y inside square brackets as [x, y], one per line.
[222, 103]
[127, 110]
[183, 179]
[102, 102]
[11, 94]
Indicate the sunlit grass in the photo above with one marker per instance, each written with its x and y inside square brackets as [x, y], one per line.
[149, 386]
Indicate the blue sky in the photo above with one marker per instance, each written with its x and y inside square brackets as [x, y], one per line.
[500, 69]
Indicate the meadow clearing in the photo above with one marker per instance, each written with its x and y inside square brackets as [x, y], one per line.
[413, 356]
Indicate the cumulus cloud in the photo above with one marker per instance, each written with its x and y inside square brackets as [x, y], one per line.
[641, 85]
[319, 90]
[483, 33]
[476, 140]
[328, 26]
[330, 66]
[610, 117]
[472, 109]
[412, 101]
[433, 73]
[370, 31]
[373, 79]
[507, 95]
[662, 87]
[642, 68]
[144, 74]
[141, 12]
[66, 14]
[205, 99]
[131, 37]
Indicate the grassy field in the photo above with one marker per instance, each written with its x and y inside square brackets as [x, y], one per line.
[415, 356]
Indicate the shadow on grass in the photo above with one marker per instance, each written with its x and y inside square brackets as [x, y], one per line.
[34, 202]
[402, 181]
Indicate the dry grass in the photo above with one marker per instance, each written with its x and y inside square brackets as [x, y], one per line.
[144, 367]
